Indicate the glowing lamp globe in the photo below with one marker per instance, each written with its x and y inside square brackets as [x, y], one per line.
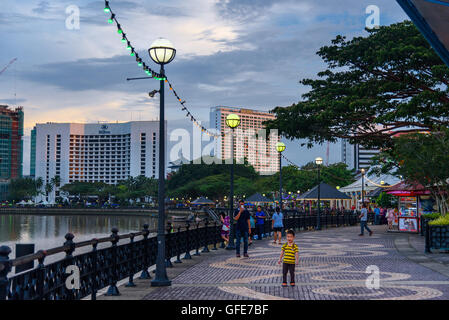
[280, 147]
[162, 51]
[319, 161]
[232, 121]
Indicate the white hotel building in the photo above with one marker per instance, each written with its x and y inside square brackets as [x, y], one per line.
[106, 152]
[252, 141]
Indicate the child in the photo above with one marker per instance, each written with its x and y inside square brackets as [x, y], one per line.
[290, 255]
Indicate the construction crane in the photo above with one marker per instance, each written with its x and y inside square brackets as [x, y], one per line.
[8, 65]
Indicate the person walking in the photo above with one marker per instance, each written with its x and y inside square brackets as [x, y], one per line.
[242, 228]
[252, 224]
[260, 223]
[364, 221]
[277, 224]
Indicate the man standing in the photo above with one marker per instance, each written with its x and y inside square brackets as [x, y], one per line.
[242, 228]
[364, 221]
[261, 216]
[376, 215]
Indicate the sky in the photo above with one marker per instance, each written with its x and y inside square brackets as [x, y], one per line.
[241, 53]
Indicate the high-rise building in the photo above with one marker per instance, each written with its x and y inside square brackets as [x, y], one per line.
[252, 142]
[106, 152]
[355, 156]
[11, 147]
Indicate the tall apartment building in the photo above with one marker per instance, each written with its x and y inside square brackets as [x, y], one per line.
[355, 156]
[11, 146]
[94, 152]
[252, 142]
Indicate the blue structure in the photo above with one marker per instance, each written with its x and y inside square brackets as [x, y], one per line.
[431, 18]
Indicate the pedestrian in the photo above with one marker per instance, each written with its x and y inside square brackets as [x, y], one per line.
[226, 223]
[289, 257]
[390, 218]
[364, 221]
[277, 224]
[252, 223]
[376, 215]
[261, 216]
[242, 228]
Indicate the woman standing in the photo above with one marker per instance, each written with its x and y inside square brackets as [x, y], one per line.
[226, 223]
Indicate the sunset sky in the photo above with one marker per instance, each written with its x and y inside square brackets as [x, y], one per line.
[245, 53]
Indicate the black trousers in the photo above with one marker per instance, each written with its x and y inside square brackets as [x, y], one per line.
[288, 267]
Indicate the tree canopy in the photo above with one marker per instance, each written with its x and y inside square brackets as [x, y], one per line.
[374, 86]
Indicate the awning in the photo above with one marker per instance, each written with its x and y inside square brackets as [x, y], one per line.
[202, 200]
[404, 189]
[327, 193]
[431, 18]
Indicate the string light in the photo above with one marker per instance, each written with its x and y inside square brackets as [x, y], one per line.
[154, 74]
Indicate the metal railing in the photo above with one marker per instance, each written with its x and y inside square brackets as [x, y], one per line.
[101, 268]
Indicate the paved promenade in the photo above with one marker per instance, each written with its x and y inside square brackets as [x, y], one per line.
[333, 265]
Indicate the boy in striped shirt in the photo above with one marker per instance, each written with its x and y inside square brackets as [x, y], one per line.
[289, 257]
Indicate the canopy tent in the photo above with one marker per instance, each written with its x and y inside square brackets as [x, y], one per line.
[22, 203]
[404, 189]
[30, 202]
[431, 18]
[327, 192]
[371, 181]
[256, 198]
[202, 201]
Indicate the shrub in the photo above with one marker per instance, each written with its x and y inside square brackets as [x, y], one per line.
[441, 221]
[431, 216]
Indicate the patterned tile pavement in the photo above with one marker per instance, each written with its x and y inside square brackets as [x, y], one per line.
[332, 266]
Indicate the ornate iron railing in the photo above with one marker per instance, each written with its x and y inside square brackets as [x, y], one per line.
[101, 268]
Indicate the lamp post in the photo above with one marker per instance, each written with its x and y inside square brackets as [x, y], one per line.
[280, 147]
[232, 121]
[319, 162]
[363, 186]
[162, 52]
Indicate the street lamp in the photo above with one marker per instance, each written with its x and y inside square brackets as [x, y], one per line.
[161, 52]
[319, 162]
[363, 186]
[232, 121]
[280, 147]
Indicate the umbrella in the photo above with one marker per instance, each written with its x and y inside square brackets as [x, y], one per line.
[327, 192]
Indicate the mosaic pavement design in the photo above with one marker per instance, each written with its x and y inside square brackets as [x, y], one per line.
[332, 266]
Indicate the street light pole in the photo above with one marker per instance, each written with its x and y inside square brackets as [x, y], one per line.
[161, 52]
[363, 186]
[232, 121]
[318, 162]
[280, 181]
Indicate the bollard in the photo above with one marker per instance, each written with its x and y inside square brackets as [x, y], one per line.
[5, 268]
[187, 255]
[131, 261]
[113, 290]
[145, 274]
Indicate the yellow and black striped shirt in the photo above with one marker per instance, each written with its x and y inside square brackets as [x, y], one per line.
[289, 253]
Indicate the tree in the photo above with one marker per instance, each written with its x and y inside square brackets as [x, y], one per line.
[421, 158]
[24, 188]
[389, 80]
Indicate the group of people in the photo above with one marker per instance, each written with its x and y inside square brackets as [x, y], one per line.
[246, 224]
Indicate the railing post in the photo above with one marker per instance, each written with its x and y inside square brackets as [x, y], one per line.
[206, 237]
[178, 246]
[69, 261]
[94, 282]
[168, 246]
[215, 236]
[145, 274]
[131, 262]
[113, 290]
[5, 268]
[187, 255]
[40, 270]
[197, 240]
[428, 240]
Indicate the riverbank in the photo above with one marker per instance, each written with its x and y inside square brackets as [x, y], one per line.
[90, 211]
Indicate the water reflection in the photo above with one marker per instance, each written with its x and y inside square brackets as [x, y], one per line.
[48, 231]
